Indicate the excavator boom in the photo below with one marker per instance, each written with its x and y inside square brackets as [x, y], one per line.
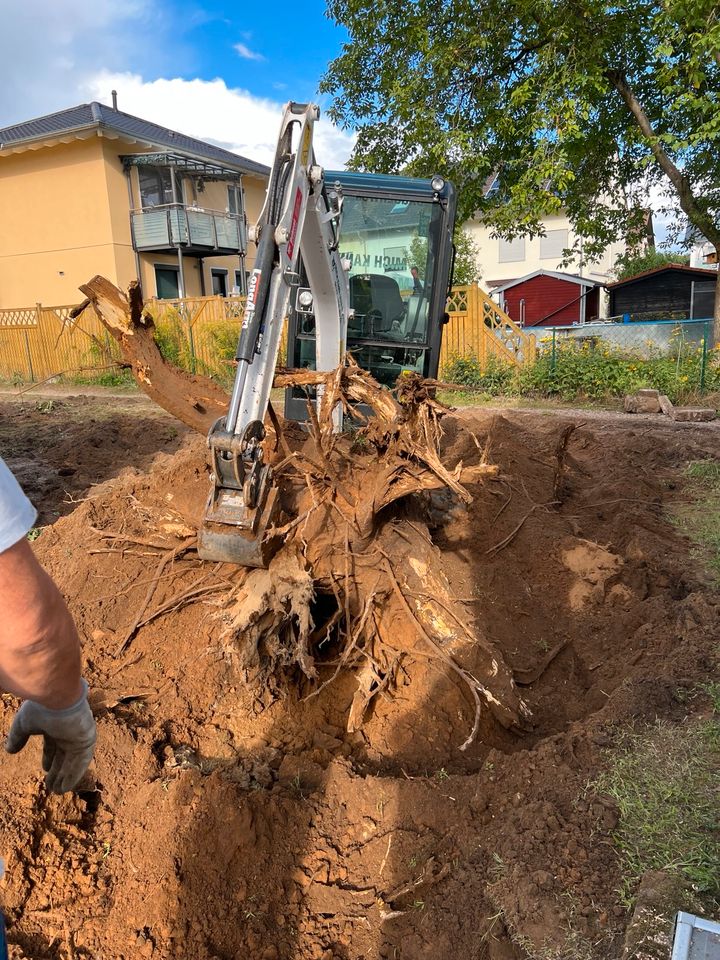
[300, 218]
[382, 286]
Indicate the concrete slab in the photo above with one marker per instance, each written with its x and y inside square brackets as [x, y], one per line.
[666, 406]
[693, 414]
[634, 403]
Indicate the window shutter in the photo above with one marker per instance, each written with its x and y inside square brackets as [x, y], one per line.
[512, 251]
[553, 244]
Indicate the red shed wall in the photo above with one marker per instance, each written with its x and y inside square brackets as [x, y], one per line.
[545, 295]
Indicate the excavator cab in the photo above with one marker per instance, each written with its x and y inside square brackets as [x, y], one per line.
[322, 239]
[396, 234]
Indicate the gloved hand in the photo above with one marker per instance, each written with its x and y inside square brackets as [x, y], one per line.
[69, 739]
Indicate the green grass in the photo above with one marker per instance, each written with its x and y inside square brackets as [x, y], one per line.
[706, 470]
[699, 519]
[664, 780]
[712, 690]
[107, 378]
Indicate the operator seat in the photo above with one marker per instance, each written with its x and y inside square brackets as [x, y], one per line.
[377, 298]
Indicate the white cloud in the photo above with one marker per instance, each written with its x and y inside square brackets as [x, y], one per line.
[210, 110]
[47, 48]
[242, 50]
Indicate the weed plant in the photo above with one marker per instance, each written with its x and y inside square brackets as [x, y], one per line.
[699, 517]
[577, 371]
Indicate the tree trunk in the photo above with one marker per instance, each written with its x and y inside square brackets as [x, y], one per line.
[195, 400]
[696, 215]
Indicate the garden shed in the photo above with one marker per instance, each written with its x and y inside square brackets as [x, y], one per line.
[549, 298]
[671, 292]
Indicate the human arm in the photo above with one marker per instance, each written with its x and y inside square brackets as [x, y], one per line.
[39, 645]
[40, 651]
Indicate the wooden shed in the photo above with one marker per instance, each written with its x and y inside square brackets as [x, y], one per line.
[548, 298]
[670, 292]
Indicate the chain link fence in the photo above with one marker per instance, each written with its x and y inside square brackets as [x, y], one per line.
[673, 356]
[603, 361]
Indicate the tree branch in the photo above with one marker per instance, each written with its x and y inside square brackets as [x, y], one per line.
[688, 203]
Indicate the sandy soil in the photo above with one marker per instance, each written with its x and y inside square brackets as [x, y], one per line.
[60, 444]
[217, 825]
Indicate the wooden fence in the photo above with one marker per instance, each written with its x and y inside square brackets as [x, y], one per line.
[200, 335]
[478, 327]
[39, 343]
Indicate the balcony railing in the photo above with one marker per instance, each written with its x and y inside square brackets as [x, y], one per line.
[193, 228]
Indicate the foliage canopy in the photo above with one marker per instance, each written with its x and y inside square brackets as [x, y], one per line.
[628, 264]
[576, 104]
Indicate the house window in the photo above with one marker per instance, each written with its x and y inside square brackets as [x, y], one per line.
[219, 282]
[167, 283]
[511, 251]
[156, 186]
[234, 203]
[239, 278]
[553, 244]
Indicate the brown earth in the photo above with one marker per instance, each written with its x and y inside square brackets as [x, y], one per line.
[219, 825]
[59, 445]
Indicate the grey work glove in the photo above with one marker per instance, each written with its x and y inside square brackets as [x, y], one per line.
[68, 739]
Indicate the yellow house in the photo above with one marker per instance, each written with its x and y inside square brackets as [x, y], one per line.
[94, 190]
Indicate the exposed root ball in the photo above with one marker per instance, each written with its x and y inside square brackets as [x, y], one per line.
[354, 531]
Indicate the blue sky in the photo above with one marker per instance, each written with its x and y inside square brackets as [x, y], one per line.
[217, 70]
[281, 46]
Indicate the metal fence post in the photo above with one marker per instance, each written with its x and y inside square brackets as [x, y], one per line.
[703, 358]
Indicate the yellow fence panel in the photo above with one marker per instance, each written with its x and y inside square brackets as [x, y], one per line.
[200, 334]
[37, 343]
[479, 328]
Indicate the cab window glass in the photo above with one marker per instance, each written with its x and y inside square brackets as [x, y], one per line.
[387, 245]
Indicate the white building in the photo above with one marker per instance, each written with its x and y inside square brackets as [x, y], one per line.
[501, 261]
[703, 254]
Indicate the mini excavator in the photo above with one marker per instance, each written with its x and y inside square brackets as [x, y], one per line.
[354, 261]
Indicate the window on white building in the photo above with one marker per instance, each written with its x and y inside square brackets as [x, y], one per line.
[511, 251]
[553, 244]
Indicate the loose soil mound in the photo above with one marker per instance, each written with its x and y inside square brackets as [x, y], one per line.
[57, 447]
[222, 824]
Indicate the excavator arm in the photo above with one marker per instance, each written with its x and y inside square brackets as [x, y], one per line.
[300, 218]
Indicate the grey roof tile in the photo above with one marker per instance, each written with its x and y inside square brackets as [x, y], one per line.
[88, 115]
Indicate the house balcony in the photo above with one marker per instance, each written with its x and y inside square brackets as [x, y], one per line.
[195, 230]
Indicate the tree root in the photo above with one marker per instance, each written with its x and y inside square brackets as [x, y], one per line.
[353, 533]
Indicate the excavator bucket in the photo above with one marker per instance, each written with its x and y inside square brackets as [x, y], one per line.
[250, 543]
